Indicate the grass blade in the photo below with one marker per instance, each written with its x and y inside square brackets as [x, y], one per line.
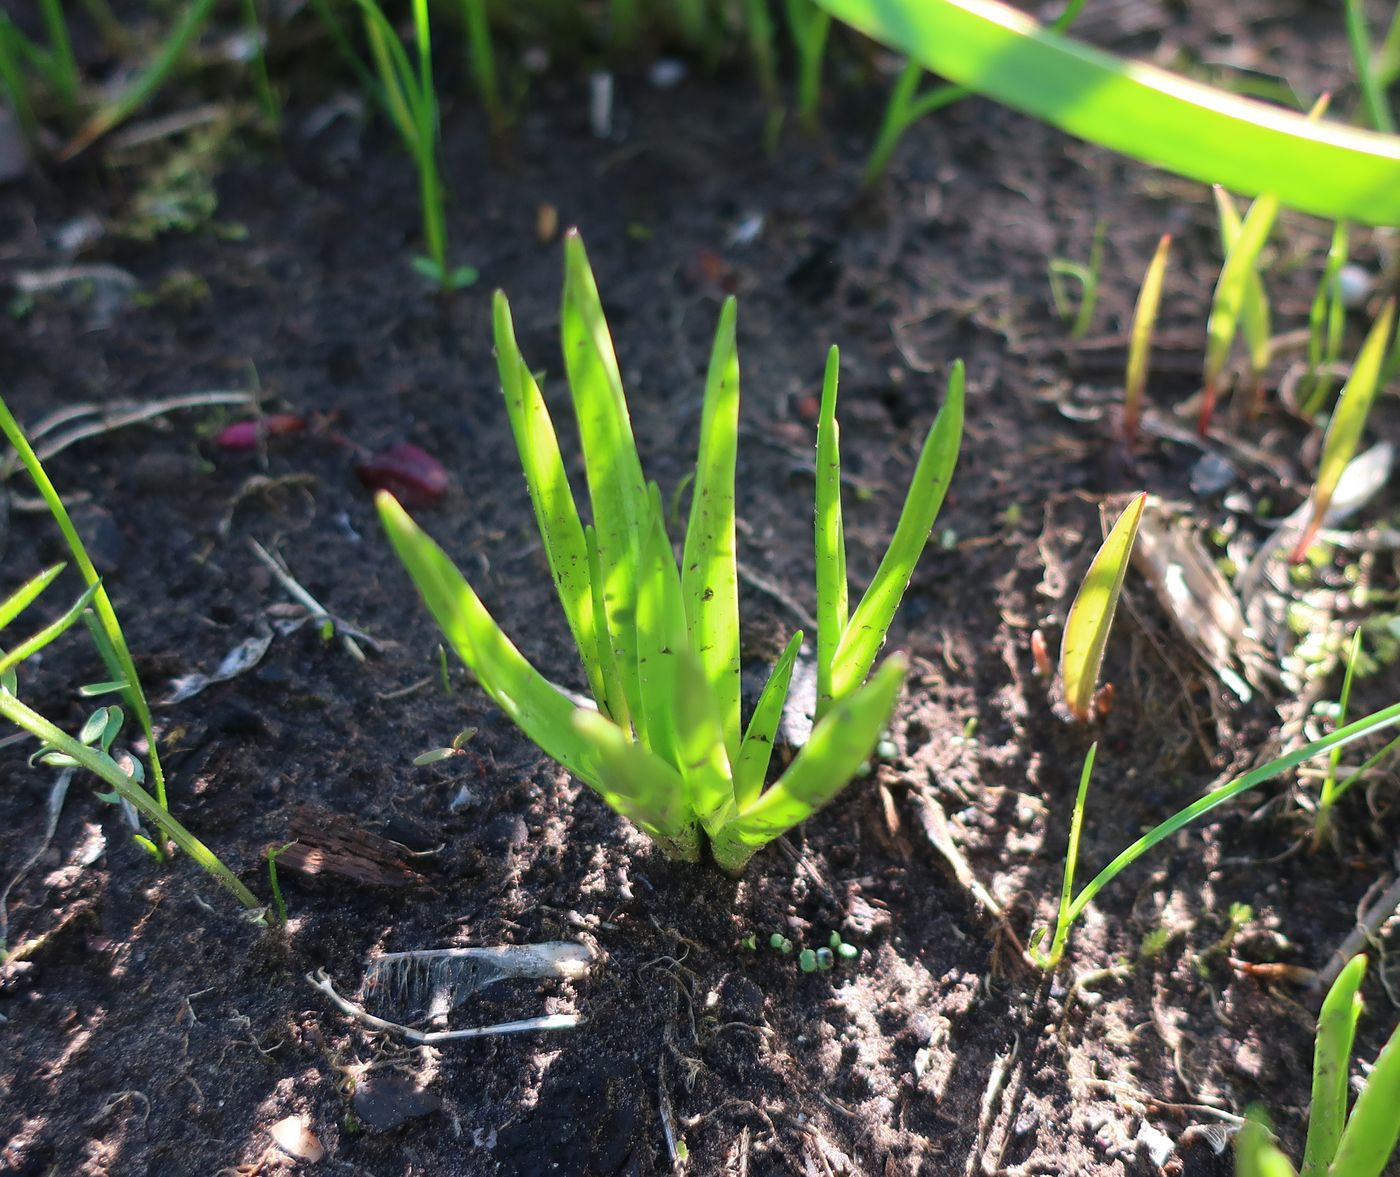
[1326, 323]
[1336, 1029]
[1140, 343]
[553, 501]
[710, 576]
[865, 633]
[615, 484]
[840, 744]
[1051, 959]
[832, 586]
[640, 785]
[115, 653]
[1372, 91]
[1377, 721]
[1348, 421]
[1090, 617]
[532, 703]
[1166, 120]
[757, 749]
[27, 593]
[1370, 1136]
[49, 633]
[146, 83]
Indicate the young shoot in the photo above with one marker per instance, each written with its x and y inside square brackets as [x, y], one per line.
[1140, 342]
[411, 102]
[1346, 426]
[1359, 1144]
[1254, 314]
[1087, 276]
[1070, 912]
[1090, 616]
[1326, 325]
[662, 739]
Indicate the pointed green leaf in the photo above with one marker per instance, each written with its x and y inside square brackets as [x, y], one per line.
[1369, 1139]
[702, 757]
[96, 724]
[1336, 1030]
[840, 743]
[1348, 421]
[640, 785]
[757, 749]
[1090, 617]
[50, 632]
[869, 624]
[530, 700]
[616, 488]
[1140, 342]
[832, 585]
[27, 593]
[1254, 314]
[660, 636]
[548, 484]
[709, 563]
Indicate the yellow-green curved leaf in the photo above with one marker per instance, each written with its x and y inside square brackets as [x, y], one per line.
[1090, 617]
[757, 749]
[1336, 1029]
[534, 704]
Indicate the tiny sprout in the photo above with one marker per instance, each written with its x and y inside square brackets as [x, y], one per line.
[807, 961]
[456, 748]
[824, 958]
[835, 940]
[327, 630]
[1040, 655]
[750, 942]
[780, 942]
[847, 951]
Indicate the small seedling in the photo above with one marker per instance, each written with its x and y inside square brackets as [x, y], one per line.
[1090, 617]
[1345, 428]
[1256, 319]
[807, 961]
[781, 943]
[272, 853]
[456, 748]
[659, 641]
[1326, 325]
[1140, 342]
[1071, 910]
[411, 102]
[1087, 276]
[483, 61]
[1338, 1145]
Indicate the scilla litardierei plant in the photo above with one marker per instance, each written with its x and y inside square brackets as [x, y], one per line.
[662, 740]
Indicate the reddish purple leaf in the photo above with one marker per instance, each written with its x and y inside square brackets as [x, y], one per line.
[411, 475]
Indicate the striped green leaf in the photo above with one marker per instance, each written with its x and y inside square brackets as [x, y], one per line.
[757, 750]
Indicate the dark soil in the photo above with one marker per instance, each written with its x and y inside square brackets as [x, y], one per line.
[154, 1032]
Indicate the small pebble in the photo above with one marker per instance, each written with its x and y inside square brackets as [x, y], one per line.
[1211, 475]
[1355, 283]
